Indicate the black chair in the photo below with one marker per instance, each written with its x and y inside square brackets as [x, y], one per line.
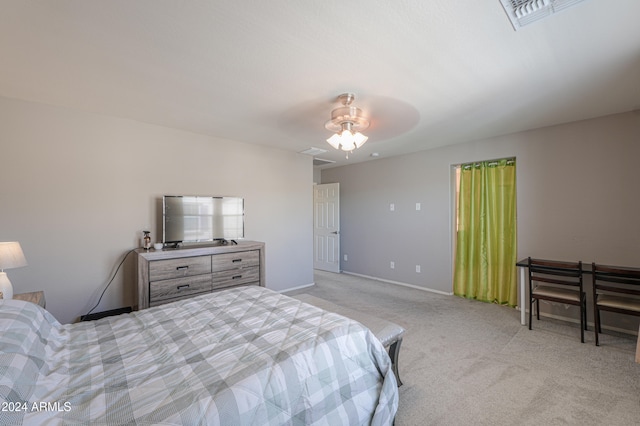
[615, 289]
[557, 281]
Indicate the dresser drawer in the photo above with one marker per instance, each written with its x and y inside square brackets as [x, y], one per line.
[242, 259]
[178, 268]
[178, 288]
[233, 277]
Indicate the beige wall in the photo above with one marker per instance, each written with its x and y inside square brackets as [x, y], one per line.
[577, 200]
[78, 189]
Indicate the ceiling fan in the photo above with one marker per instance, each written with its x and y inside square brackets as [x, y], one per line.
[347, 121]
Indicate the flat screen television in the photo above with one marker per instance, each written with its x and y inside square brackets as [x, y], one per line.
[196, 219]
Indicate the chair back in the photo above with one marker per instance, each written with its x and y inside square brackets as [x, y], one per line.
[616, 279]
[558, 273]
[615, 289]
[560, 282]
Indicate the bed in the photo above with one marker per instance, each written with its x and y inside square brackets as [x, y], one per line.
[245, 356]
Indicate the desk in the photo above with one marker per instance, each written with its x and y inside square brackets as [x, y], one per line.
[587, 268]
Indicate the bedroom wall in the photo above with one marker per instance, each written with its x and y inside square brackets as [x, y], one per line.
[78, 189]
[577, 200]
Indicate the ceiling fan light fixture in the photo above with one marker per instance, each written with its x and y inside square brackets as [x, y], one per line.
[347, 121]
[359, 139]
[335, 140]
[346, 139]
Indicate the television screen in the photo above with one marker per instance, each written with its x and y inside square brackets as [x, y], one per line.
[193, 219]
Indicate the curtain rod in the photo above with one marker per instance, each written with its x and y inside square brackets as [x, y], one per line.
[510, 161]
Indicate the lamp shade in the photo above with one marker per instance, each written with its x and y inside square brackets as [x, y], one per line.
[11, 256]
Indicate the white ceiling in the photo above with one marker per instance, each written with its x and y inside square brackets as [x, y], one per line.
[428, 73]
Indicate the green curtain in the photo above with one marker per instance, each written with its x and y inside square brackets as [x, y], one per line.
[486, 248]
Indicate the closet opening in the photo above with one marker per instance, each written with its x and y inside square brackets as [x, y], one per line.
[485, 232]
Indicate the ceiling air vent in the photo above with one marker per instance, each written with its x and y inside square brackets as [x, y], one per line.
[313, 151]
[524, 12]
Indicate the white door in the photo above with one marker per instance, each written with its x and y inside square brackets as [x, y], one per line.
[326, 227]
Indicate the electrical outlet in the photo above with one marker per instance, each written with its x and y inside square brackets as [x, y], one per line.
[392, 265]
[392, 207]
[418, 206]
[345, 258]
[418, 268]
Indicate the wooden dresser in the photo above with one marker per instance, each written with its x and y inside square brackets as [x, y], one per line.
[172, 274]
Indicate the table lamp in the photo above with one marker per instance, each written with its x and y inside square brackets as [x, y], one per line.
[11, 256]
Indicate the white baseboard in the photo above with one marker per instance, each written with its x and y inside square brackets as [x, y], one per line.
[296, 288]
[430, 290]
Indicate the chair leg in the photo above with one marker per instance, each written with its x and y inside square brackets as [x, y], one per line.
[583, 323]
[538, 309]
[394, 352]
[530, 311]
[596, 325]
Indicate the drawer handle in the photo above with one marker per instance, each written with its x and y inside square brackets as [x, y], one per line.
[182, 287]
[236, 260]
[182, 268]
[235, 277]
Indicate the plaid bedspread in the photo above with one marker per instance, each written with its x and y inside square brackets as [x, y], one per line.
[247, 356]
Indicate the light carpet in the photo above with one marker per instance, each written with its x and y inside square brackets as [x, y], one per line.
[465, 362]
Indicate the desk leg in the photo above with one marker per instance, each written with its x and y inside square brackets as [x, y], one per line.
[523, 309]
